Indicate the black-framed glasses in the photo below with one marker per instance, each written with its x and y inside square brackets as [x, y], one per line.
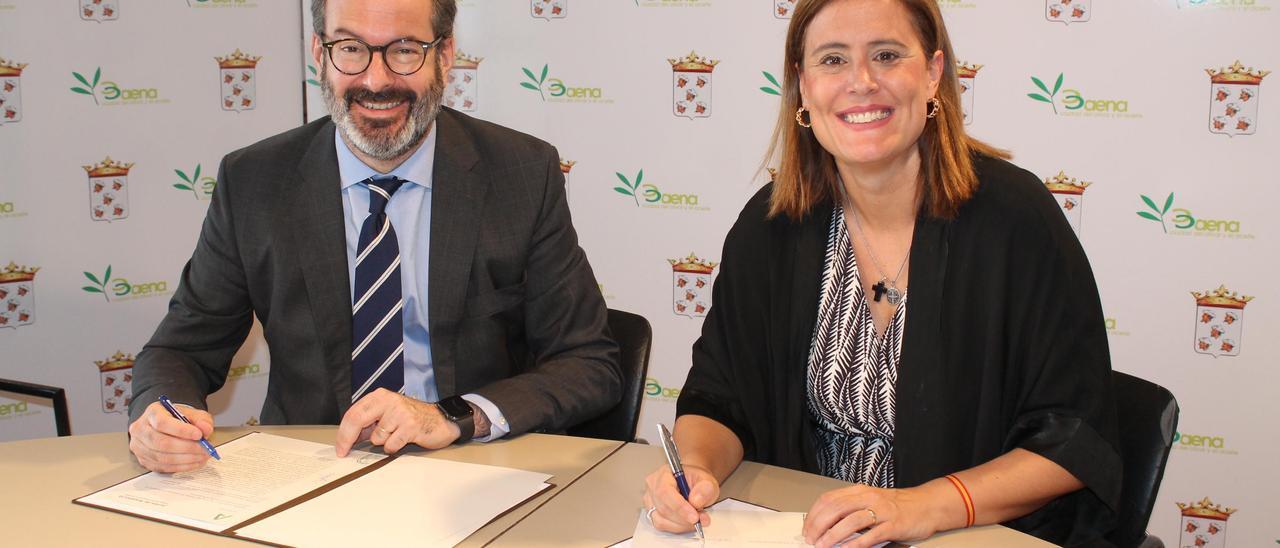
[351, 56]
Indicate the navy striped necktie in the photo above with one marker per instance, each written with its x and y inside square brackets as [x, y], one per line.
[377, 319]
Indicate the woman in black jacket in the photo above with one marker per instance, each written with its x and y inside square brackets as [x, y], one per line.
[902, 309]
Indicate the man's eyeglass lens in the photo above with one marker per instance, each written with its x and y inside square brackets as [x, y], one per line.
[403, 57]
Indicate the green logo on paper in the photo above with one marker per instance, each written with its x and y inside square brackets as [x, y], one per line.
[314, 74]
[202, 187]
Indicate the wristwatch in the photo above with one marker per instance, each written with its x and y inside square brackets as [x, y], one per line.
[458, 411]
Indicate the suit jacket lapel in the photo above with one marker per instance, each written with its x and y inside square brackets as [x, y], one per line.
[808, 260]
[458, 190]
[916, 392]
[320, 238]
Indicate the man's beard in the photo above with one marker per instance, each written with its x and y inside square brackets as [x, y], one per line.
[376, 138]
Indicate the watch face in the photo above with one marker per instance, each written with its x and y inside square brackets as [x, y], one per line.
[455, 408]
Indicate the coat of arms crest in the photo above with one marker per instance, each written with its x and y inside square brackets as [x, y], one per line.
[691, 86]
[1219, 321]
[108, 190]
[1233, 99]
[691, 279]
[238, 78]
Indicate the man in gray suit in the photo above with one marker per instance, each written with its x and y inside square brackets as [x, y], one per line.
[500, 318]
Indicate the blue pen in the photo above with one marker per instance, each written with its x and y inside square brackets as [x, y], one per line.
[168, 406]
[677, 469]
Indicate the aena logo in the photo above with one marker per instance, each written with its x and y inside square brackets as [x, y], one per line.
[115, 288]
[556, 87]
[202, 187]
[1072, 100]
[654, 389]
[1182, 219]
[650, 193]
[111, 92]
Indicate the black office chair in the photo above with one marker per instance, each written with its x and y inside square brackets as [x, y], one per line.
[634, 336]
[1147, 414]
[58, 396]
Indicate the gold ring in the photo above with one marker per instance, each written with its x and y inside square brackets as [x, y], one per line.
[384, 431]
[874, 519]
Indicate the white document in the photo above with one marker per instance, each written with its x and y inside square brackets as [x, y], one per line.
[411, 501]
[733, 523]
[257, 472]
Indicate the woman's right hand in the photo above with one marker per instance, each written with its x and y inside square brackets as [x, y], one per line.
[670, 512]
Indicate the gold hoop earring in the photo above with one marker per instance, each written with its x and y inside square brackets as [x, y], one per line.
[936, 107]
[800, 118]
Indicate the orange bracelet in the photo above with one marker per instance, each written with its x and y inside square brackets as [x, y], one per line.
[968, 501]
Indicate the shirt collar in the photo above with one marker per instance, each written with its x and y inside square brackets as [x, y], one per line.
[416, 169]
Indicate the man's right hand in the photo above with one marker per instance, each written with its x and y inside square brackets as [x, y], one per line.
[163, 443]
[667, 510]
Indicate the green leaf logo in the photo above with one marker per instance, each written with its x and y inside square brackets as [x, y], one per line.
[91, 88]
[202, 187]
[628, 188]
[535, 82]
[99, 286]
[1047, 96]
[1156, 213]
[312, 81]
[774, 88]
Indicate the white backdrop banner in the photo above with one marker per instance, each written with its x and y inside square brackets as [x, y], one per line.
[1145, 119]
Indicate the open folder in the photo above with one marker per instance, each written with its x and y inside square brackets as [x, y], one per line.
[291, 492]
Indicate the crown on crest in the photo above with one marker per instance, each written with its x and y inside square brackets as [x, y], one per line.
[11, 68]
[692, 264]
[119, 360]
[1221, 297]
[15, 273]
[966, 70]
[108, 168]
[1206, 509]
[1061, 184]
[238, 60]
[1237, 74]
[464, 61]
[693, 63]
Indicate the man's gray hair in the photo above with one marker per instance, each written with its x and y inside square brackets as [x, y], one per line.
[442, 16]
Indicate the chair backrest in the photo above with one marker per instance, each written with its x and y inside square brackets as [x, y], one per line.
[634, 336]
[1147, 415]
[57, 396]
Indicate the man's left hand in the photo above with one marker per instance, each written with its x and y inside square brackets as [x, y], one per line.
[393, 420]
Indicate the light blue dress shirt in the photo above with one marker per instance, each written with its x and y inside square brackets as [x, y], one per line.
[410, 214]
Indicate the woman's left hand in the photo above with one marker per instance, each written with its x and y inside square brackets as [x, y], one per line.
[891, 514]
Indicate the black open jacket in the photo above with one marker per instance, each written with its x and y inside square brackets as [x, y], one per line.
[1004, 347]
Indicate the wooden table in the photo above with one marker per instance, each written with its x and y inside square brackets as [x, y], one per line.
[40, 478]
[601, 507]
[595, 501]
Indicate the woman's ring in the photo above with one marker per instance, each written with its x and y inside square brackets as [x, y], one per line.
[874, 518]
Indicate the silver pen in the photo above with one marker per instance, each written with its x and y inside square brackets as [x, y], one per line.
[677, 469]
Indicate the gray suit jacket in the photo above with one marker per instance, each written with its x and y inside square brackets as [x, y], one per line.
[514, 310]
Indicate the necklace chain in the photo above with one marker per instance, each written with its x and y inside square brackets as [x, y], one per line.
[876, 260]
